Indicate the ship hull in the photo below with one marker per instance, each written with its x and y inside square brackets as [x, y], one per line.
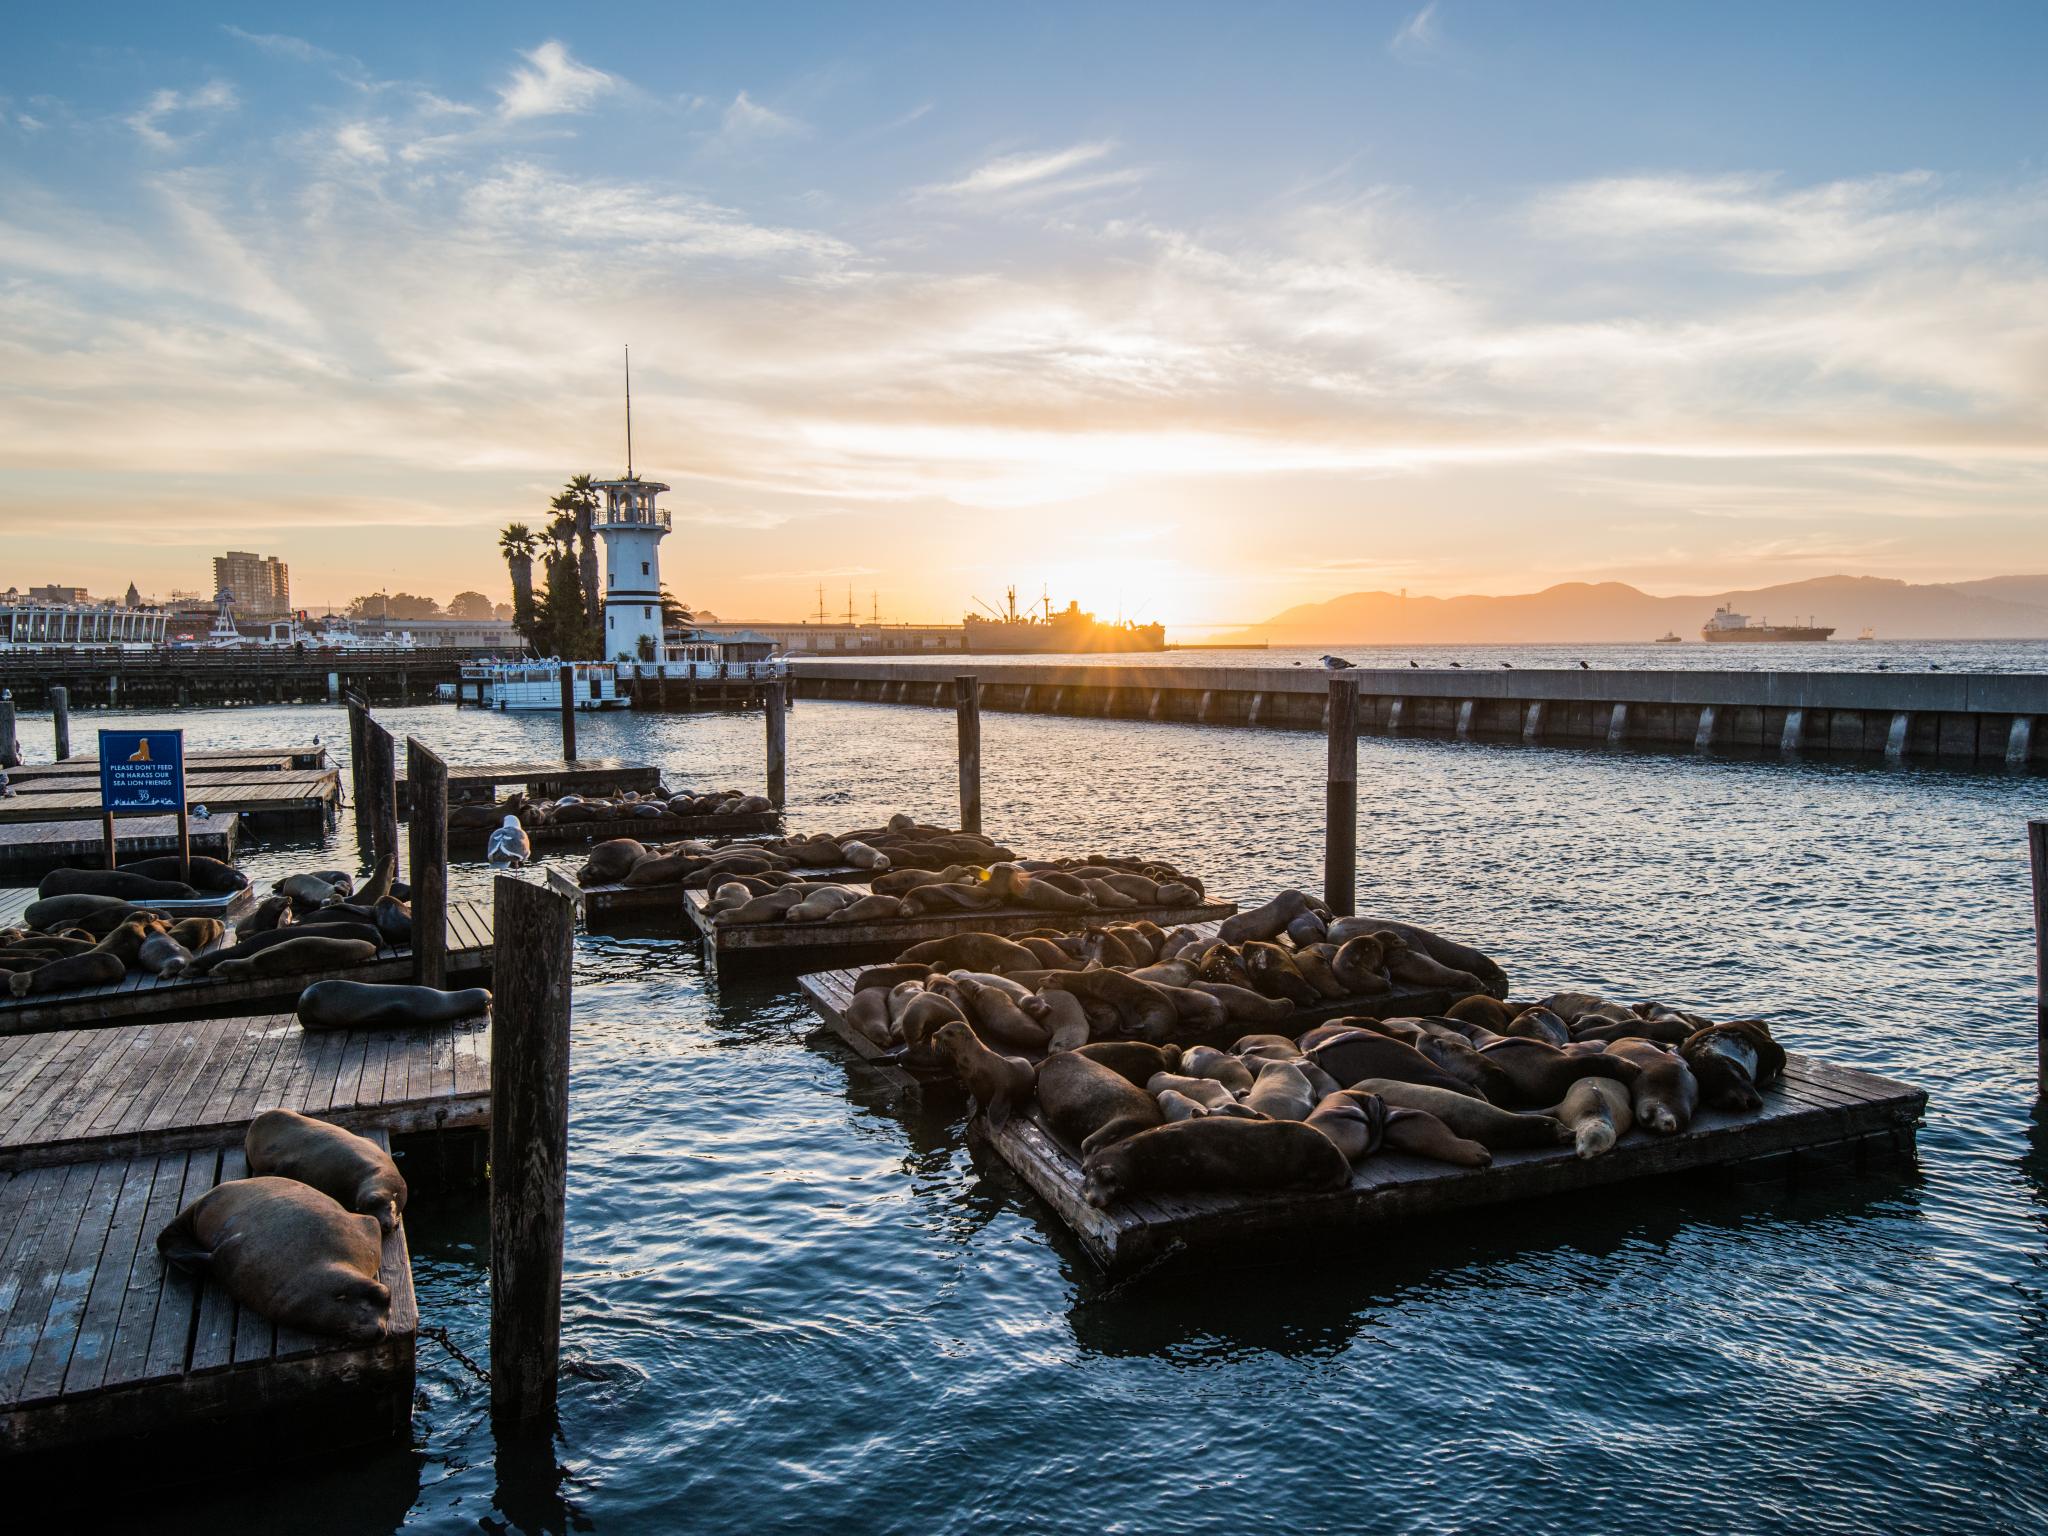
[1042, 640]
[1763, 634]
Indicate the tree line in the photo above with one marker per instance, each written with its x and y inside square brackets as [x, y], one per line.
[565, 617]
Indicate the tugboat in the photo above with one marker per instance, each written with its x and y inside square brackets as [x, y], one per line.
[1727, 624]
[1669, 637]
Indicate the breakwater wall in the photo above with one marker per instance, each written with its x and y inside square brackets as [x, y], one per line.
[251, 675]
[1984, 719]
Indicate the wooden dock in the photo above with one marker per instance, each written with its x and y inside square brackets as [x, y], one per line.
[138, 997]
[142, 1089]
[102, 1343]
[601, 902]
[277, 796]
[1831, 1114]
[212, 761]
[558, 776]
[646, 829]
[794, 946]
[225, 905]
[31, 849]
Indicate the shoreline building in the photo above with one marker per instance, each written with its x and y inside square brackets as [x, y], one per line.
[259, 584]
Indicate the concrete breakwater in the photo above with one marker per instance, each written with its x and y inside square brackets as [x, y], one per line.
[1985, 719]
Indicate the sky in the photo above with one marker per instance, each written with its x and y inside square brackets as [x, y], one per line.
[1188, 312]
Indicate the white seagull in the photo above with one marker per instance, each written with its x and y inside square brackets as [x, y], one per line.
[510, 847]
[1338, 663]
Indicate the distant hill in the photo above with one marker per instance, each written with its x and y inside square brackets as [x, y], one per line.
[2000, 608]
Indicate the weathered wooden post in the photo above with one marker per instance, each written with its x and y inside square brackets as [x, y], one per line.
[60, 720]
[381, 784]
[358, 767]
[967, 701]
[533, 930]
[1340, 802]
[10, 751]
[2037, 855]
[568, 676]
[778, 726]
[427, 777]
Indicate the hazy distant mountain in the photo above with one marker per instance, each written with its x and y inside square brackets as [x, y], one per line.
[2000, 608]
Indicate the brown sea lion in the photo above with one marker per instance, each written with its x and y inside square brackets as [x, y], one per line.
[1207, 1061]
[1314, 965]
[1598, 1111]
[1732, 1061]
[1355, 1122]
[868, 1012]
[1357, 1054]
[288, 1252]
[1539, 1023]
[1062, 1016]
[338, 1004]
[96, 915]
[1257, 1048]
[1244, 1006]
[296, 957]
[1281, 1092]
[1266, 922]
[867, 909]
[1360, 965]
[973, 951]
[887, 976]
[1273, 974]
[1214, 1152]
[1089, 1105]
[1205, 1091]
[163, 955]
[123, 883]
[609, 861]
[1421, 1134]
[1142, 1011]
[1136, 1061]
[996, 1082]
[203, 965]
[350, 1169]
[1540, 1072]
[997, 1018]
[1487, 1012]
[1665, 1096]
[94, 968]
[126, 941]
[1497, 1129]
[1223, 964]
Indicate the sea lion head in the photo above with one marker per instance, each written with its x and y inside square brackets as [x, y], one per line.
[349, 1305]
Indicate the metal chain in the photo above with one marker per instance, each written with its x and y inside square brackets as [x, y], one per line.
[1168, 1252]
[440, 1337]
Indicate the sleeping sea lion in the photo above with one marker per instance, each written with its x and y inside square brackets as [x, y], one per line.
[349, 1169]
[207, 874]
[1242, 1005]
[97, 915]
[1421, 1134]
[295, 957]
[608, 861]
[1062, 1017]
[283, 1249]
[1732, 1061]
[203, 965]
[1540, 1072]
[1135, 1061]
[1207, 1061]
[1665, 1095]
[385, 1005]
[1357, 1054]
[1267, 922]
[996, 1016]
[972, 951]
[1214, 1152]
[1355, 1122]
[162, 955]
[1281, 1092]
[123, 883]
[1205, 1091]
[887, 976]
[1089, 1105]
[1478, 1008]
[311, 890]
[1598, 1111]
[94, 968]
[1497, 1129]
[271, 913]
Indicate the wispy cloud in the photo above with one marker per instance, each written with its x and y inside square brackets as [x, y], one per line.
[552, 83]
[283, 46]
[1419, 34]
[168, 105]
[1030, 177]
[746, 121]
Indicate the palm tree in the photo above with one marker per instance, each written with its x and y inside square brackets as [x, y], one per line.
[673, 614]
[578, 500]
[517, 544]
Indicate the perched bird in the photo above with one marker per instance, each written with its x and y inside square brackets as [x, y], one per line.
[1934, 666]
[1884, 666]
[510, 847]
[1337, 663]
[1457, 664]
[1416, 665]
[1509, 665]
[1584, 668]
[201, 813]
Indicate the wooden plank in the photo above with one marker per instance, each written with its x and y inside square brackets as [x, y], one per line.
[213, 1335]
[128, 1355]
[97, 1326]
[177, 1308]
[41, 1276]
[40, 1193]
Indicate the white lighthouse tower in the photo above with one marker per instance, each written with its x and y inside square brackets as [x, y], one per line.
[632, 528]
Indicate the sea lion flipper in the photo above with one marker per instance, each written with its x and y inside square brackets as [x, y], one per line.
[998, 1113]
[179, 1245]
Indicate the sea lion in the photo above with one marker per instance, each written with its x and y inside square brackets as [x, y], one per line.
[1261, 1048]
[1207, 1061]
[1214, 1152]
[123, 883]
[1306, 929]
[996, 1016]
[349, 1169]
[203, 965]
[867, 909]
[887, 976]
[1281, 1092]
[820, 903]
[285, 1250]
[311, 890]
[385, 1005]
[1090, 1105]
[1732, 1061]
[1488, 1012]
[1539, 1023]
[1457, 1056]
[394, 922]
[126, 941]
[381, 878]
[207, 874]
[1497, 1129]
[1244, 1006]
[1314, 965]
[97, 915]
[162, 955]
[997, 1082]
[1136, 1061]
[973, 951]
[1421, 1134]
[1205, 1091]
[869, 1013]
[1665, 1095]
[1178, 1106]
[1273, 974]
[295, 957]
[1598, 1111]
[1142, 1011]
[1222, 964]
[1360, 964]
[1061, 1016]
[1354, 1055]
[271, 913]
[1355, 1122]
[608, 862]
[1446, 952]
[1540, 1072]
[94, 968]
[1267, 922]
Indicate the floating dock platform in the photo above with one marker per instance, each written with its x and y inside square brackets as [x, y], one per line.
[31, 849]
[1825, 1113]
[213, 762]
[104, 1344]
[557, 776]
[289, 796]
[646, 829]
[603, 902]
[142, 1089]
[138, 997]
[794, 946]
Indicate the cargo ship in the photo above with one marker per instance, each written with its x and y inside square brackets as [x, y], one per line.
[1052, 631]
[1727, 624]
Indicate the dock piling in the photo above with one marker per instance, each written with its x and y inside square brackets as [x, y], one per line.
[1895, 738]
[381, 786]
[534, 930]
[1617, 725]
[568, 677]
[359, 768]
[60, 720]
[2037, 856]
[1794, 734]
[1340, 802]
[10, 751]
[967, 701]
[778, 742]
[1703, 734]
[2019, 742]
[427, 783]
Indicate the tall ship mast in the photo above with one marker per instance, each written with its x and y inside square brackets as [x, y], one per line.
[1042, 629]
[1728, 625]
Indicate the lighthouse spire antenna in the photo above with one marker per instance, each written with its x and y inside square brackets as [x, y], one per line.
[629, 411]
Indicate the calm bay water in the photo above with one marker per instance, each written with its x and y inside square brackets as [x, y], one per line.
[788, 1305]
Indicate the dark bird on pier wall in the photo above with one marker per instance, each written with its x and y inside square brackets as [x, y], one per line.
[1584, 668]
[1509, 665]
[1884, 666]
[1934, 666]
[1458, 664]
[1416, 665]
